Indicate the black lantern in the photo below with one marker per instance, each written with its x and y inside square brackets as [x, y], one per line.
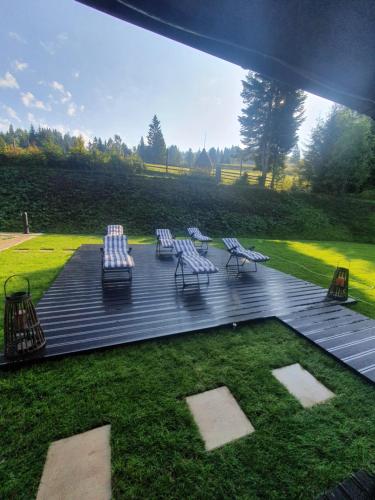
[22, 331]
[339, 285]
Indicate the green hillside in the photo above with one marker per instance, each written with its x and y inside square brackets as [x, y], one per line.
[67, 200]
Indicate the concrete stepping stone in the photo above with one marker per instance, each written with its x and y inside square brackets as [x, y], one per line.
[302, 385]
[78, 467]
[218, 416]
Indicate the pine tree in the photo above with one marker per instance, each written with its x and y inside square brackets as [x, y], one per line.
[295, 156]
[269, 122]
[141, 149]
[190, 158]
[156, 150]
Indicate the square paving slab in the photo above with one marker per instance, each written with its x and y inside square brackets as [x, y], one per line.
[302, 385]
[78, 467]
[219, 417]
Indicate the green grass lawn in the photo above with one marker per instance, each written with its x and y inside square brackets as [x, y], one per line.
[140, 391]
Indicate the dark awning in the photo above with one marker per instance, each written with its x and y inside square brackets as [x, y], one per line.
[326, 47]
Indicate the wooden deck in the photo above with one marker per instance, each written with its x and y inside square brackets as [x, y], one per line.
[78, 316]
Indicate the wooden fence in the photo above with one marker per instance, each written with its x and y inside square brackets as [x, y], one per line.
[228, 175]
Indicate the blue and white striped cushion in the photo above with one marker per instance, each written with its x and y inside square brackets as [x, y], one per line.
[115, 230]
[165, 238]
[185, 246]
[115, 253]
[199, 264]
[235, 247]
[192, 258]
[194, 232]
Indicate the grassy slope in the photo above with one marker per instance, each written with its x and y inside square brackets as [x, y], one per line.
[140, 390]
[67, 201]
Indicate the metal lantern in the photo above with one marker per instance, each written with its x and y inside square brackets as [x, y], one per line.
[22, 331]
[340, 284]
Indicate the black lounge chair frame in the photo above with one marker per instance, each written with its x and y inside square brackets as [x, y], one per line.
[183, 273]
[241, 266]
[116, 275]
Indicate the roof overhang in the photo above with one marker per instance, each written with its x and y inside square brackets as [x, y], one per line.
[326, 47]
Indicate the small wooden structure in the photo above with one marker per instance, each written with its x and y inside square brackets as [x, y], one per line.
[22, 331]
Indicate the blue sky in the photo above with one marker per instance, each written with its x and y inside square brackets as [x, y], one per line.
[70, 67]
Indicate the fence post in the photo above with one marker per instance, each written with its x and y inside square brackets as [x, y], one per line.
[218, 174]
[25, 221]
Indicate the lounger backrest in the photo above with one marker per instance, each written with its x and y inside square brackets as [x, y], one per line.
[115, 244]
[232, 243]
[115, 230]
[192, 231]
[185, 246]
[164, 234]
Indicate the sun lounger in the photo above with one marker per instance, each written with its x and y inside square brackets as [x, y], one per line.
[190, 262]
[164, 240]
[239, 253]
[115, 230]
[117, 263]
[197, 236]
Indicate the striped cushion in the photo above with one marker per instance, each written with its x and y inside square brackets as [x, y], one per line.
[192, 258]
[194, 232]
[235, 247]
[185, 246]
[165, 238]
[115, 230]
[199, 264]
[115, 253]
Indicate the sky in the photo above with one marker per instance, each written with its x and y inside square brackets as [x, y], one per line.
[70, 67]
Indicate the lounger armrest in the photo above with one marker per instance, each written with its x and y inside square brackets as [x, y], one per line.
[232, 249]
[129, 250]
[178, 254]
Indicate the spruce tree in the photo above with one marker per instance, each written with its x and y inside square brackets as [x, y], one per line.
[156, 150]
[269, 122]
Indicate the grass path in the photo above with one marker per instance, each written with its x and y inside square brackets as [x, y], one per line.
[140, 391]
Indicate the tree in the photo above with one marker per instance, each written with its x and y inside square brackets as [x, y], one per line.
[174, 156]
[269, 122]
[190, 158]
[295, 156]
[338, 158]
[141, 149]
[156, 149]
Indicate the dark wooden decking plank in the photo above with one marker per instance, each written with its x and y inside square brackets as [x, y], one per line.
[78, 316]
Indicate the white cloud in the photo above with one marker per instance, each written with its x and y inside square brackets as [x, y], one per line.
[65, 94]
[8, 81]
[20, 66]
[31, 118]
[72, 109]
[4, 124]
[75, 74]
[10, 111]
[49, 47]
[30, 101]
[62, 37]
[15, 36]
[52, 46]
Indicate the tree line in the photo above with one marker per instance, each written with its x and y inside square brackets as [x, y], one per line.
[50, 145]
[340, 156]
